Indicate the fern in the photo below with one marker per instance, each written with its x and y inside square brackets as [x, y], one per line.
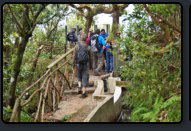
[172, 101]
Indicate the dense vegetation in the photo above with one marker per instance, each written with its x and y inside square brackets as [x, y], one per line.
[155, 70]
[152, 35]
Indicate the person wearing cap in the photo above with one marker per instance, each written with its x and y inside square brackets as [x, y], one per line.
[72, 38]
[118, 34]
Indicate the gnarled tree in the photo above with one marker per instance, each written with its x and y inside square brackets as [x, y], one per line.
[88, 11]
[25, 23]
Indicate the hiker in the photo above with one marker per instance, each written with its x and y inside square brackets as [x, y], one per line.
[109, 56]
[89, 37]
[72, 38]
[79, 33]
[104, 35]
[118, 34]
[90, 31]
[97, 42]
[82, 61]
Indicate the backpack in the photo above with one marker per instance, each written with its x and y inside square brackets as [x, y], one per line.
[82, 56]
[95, 46]
[70, 36]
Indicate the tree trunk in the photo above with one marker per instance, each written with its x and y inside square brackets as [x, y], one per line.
[16, 70]
[89, 20]
[115, 16]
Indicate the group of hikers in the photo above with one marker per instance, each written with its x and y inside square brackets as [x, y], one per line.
[92, 51]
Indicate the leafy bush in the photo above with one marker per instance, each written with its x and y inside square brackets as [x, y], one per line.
[155, 76]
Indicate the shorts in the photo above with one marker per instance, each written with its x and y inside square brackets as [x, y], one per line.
[82, 72]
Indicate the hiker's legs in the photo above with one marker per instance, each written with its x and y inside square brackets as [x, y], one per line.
[100, 61]
[84, 90]
[85, 75]
[79, 86]
[79, 76]
[111, 61]
[104, 60]
[85, 79]
[94, 61]
[108, 62]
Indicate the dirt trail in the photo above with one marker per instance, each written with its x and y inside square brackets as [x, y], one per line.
[73, 105]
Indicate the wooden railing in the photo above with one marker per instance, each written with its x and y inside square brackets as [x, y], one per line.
[50, 91]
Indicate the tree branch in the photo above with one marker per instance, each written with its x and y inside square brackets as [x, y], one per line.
[41, 8]
[122, 7]
[168, 23]
[26, 14]
[49, 19]
[15, 20]
[54, 27]
[32, 11]
[157, 21]
[80, 10]
[85, 6]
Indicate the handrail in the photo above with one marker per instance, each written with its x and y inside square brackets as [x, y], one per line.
[44, 87]
[59, 59]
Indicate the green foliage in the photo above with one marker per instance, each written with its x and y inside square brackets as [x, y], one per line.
[7, 111]
[73, 21]
[66, 117]
[25, 117]
[153, 82]
[154, 71]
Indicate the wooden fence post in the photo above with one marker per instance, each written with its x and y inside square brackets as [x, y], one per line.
[66, 31]
[57, 85]
[44, 100]
[95, 27]
[38, 110]
[78, 28]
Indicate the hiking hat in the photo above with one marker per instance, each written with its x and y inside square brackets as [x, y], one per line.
[118, 32]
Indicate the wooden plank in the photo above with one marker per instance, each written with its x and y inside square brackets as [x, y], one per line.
[38, 110]
[59, 59]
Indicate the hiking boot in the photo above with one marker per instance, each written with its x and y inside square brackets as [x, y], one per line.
[84, 95]
[79, 92]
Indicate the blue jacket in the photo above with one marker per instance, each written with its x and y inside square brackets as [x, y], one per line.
[101, 41]
[104, 35]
